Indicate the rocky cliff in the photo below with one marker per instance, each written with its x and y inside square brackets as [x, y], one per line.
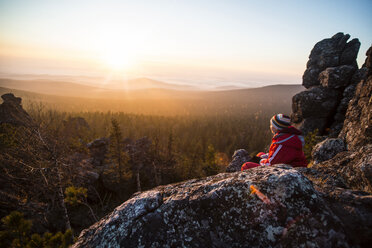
[327, 205]
[331, 77]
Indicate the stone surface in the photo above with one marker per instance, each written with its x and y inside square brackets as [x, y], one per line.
[317, 101]
[11, 112]
[332, 65]
[345, 182]
[352, 207]
[357, 129]
[337, 77]
[348, 169]
[311, 109]
[368, 63]
[327, 149]
[220, 211]
[350, 52]
[330, 52]
[238, 159]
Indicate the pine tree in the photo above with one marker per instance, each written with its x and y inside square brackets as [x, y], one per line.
[117, 147]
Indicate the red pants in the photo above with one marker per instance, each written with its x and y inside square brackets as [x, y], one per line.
[249, 165]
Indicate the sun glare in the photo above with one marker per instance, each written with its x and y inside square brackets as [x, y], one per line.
[117, 53]
[118, 59]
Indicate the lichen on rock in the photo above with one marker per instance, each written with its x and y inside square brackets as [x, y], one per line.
[220, 211]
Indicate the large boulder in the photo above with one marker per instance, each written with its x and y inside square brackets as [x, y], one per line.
[337, 77]
[327, 149]
[238, 159]
[262, 207]
[312, 108]
[348, 169]
[12, 112]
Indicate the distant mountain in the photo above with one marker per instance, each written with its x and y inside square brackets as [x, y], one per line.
[100, 82]
[145, 83]
[228, 87]
[67, 96]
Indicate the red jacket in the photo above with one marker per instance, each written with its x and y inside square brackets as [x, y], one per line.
[286, 148]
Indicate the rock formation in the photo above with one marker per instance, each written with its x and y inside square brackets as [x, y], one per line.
[11, 111]
[327, 149]
[222, 211]
[330, 78]
[345, 181]
[332, 52]
[357, 129]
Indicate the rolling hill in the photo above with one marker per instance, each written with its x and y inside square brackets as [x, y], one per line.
[69, 96]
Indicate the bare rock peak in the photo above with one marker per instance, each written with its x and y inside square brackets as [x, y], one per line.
[332, 66]
[330, 52]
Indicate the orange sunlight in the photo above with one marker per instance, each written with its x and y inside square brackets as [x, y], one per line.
[118, 59]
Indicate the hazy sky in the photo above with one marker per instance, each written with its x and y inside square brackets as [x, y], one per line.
[204, 42]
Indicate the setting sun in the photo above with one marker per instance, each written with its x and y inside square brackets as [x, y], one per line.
[118, 59]
[118, 51]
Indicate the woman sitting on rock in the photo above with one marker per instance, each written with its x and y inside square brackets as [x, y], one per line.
[286, 146]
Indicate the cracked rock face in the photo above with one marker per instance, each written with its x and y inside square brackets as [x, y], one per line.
[336, 77]
[330, 52]
[327, 149]
[311, 108]
[221, 211]
[345, 183]
[332, 66]
[357, 128]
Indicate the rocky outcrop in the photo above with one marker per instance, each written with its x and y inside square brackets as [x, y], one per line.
[357, 128]
[311, 108]
[330, 52]
[11, 112]
[98, 149]
[331, 70]
[327, 149]
[263, 207]
[342, 168]
[238, 159]
[336, 77]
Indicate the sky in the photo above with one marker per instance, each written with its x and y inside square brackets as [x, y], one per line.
[203, 42]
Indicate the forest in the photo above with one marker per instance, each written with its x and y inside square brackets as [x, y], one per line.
[63, 170]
